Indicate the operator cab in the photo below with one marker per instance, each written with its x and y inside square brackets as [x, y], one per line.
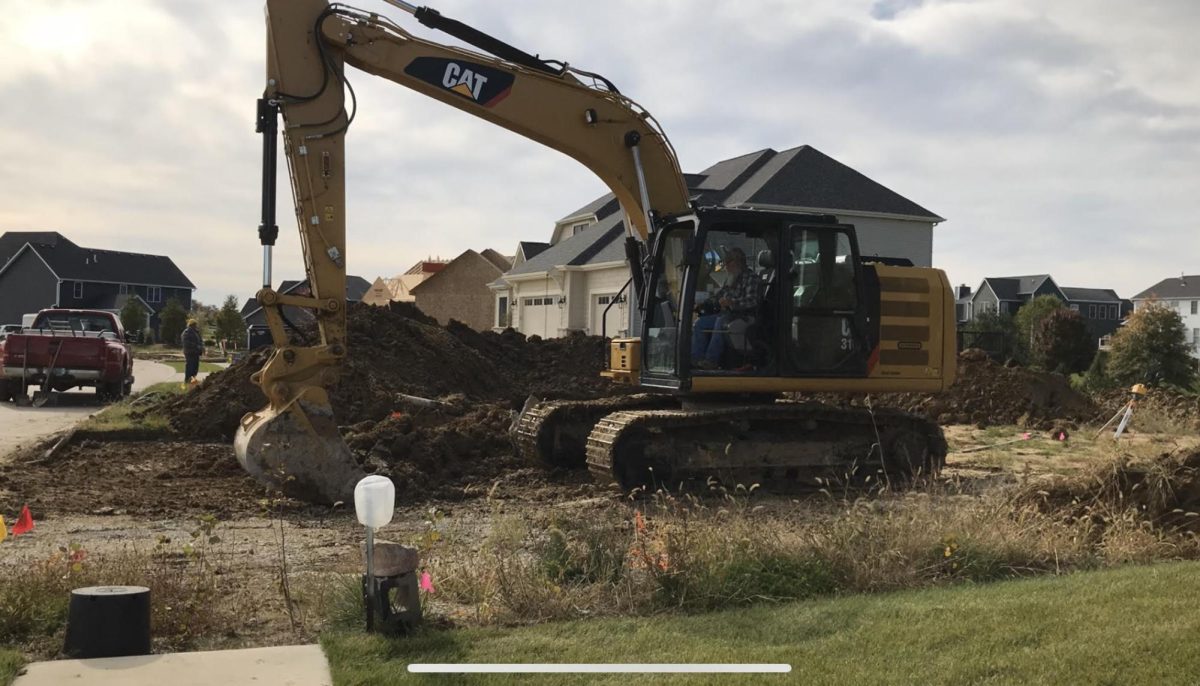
[753, 293]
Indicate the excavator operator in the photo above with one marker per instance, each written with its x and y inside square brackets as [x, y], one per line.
[737, 300]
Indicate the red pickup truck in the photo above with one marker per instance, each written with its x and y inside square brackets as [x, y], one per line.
[66, 349]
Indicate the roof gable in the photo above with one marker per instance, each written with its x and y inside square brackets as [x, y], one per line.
[71, 262]
[805, 177]
[497, 262]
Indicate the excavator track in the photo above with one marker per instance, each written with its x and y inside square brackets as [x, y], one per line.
[782, 447]
[554, 432]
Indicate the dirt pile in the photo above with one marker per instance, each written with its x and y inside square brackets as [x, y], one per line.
[399, 350]
[987, 394]
[435, 452]
[477, 378]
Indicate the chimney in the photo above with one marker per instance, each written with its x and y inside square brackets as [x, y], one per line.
[963, 291]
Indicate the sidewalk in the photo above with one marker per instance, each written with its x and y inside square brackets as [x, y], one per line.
[281, 666]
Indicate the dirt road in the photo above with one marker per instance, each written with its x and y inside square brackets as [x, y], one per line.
[20, 425]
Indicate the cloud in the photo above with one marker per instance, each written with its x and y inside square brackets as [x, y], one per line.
[1052, 142]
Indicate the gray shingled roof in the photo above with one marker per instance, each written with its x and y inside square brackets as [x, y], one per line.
[532, 249]
[585, 247]
[75, 263]
[802, 177]
[807, 177]
[1091, 294]
[604, 205]
[1013, 287]
[1174, 287]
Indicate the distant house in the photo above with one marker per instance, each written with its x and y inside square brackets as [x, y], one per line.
[399, 287]
[1181, 293]
[40, 269]
[1101, 308]
[574, 281]
[257, 333]
[460, 290]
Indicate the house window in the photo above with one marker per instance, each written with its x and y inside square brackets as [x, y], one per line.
[1112, 312]
[1091, 311]
[78, 292]
[578, 228]
[154, 294]
[124, 289]
[1196, 337]
[1075, 307]
[1194, 304]
[1103, 312]
[502, 311]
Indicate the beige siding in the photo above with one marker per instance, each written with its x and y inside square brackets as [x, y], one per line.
[460, 292]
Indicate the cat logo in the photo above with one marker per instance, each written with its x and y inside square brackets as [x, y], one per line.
[463, 81]
[478, 83]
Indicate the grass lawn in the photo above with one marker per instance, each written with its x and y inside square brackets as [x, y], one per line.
[177, 365]
[120, 417]
[1133, 625]
[10, 663]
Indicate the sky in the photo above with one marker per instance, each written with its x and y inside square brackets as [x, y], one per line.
[1056, 136]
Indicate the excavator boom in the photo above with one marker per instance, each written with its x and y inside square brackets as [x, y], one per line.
[293, 443]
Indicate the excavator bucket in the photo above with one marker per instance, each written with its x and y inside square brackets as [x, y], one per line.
[298, 450]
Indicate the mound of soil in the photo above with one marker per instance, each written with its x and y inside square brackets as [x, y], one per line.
[435, 452]
[480, 378]
[398, 349]
[988, 394]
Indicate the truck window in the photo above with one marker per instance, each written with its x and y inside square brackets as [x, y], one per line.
[67, 322]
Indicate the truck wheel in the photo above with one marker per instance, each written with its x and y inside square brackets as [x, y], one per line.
[5, 394]
[109, 392]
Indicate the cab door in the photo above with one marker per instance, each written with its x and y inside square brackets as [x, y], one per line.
[827, 322]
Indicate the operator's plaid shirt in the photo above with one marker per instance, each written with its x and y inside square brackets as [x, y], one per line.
[743, 292]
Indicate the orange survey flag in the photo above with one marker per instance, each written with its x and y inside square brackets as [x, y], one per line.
[3, 529]
[24, 523]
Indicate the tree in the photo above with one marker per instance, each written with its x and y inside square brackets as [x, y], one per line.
[171, 322]
[1152, 349]
[205, 315]
[1062, 343]
[991, 331]
[1027, 320]
[133, 317]
[228, 321]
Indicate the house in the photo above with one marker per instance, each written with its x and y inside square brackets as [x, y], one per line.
[40, 269]
[399, 287]
[1101, 308]
[575, 281]
[460, 289]
[1181, 293]
[257, 333]
[962, 304]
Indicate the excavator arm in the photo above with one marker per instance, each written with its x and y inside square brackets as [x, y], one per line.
[293, 443]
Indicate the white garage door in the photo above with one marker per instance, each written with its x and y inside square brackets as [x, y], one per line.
[618, 316]
[535, 316]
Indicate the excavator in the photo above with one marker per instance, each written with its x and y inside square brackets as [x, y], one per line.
[813, 315]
